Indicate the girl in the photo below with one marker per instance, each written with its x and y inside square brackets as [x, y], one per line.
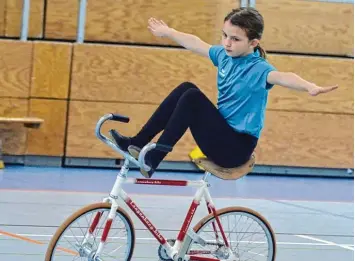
[226, 134]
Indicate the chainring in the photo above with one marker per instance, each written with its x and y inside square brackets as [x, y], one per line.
[163, 256]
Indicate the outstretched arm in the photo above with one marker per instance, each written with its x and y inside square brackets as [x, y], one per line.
[189, 41]
[295, 82]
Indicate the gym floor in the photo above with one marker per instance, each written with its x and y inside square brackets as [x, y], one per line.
[313, 218]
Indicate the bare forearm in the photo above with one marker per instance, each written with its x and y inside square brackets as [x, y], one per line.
[295, 82]
[189, 41]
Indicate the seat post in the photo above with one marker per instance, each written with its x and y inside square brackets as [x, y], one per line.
[205, 177]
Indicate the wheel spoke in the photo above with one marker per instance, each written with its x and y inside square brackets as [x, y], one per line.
[119, 243]
[249, 236]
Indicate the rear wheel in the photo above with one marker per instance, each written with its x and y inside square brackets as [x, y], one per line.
[249, 234]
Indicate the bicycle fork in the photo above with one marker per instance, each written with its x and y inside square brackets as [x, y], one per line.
[85, 248]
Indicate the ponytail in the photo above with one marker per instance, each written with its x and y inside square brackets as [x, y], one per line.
[261, 51]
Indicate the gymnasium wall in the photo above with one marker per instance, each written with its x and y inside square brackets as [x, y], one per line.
[122, 68]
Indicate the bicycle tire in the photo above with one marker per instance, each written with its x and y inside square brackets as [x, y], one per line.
[256, 216]
[81, 212]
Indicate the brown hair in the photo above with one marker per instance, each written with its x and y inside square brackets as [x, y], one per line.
[251, 21]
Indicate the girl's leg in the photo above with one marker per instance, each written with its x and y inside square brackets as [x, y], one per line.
[219, 142]
[158, 120]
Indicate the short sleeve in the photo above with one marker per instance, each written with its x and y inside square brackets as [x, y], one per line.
[265, 68]
[216, 54]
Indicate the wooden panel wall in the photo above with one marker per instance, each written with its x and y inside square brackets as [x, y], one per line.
[38, 79]
[15, 64]
[14, 18]
[83, 116]
[49, 97]
[113, 21]
[289, 138]
[51, 70]
[315, 27]
[50, 66]
[109, 79]
[322, 71]
[2, 17]
[304, 26]
[48, 140]
[130, 81]
[136, 74]
[147, 75]
[105, 17]
[307, 139]
[59, 24]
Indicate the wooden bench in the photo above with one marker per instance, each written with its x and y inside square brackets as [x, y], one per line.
[28, 122]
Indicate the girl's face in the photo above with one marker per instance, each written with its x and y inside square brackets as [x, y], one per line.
[236, 42]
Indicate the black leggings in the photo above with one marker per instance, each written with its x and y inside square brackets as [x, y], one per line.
[187, 107]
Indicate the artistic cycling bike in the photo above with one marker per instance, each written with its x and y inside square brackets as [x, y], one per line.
[104, 231]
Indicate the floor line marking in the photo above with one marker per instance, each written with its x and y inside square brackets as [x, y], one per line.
[325, 241]
[29, 240]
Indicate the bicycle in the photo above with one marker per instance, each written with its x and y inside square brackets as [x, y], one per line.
[91, 233]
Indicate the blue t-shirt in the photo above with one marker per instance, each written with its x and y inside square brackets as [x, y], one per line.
[242, 89]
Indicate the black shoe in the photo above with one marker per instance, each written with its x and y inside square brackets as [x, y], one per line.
[134, 151]
[122, 141]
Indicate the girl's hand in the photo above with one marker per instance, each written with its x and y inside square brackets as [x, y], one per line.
[158, 27]
[319, 90]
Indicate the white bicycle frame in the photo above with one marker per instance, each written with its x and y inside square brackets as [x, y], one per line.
[178, 250]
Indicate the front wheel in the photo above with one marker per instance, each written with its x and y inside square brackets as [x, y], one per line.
[249, 234]
[68, 243]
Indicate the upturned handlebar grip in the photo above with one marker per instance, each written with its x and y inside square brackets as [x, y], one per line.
[118, 117]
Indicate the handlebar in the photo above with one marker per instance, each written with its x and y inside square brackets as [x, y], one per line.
[141, 158]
